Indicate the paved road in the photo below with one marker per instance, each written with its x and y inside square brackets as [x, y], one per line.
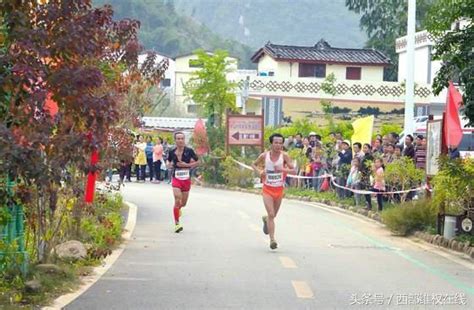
[326, 260]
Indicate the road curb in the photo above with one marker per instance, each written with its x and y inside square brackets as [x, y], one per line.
[88, 281]
[436, 241]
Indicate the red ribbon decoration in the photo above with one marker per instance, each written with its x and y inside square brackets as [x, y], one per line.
[91, 176]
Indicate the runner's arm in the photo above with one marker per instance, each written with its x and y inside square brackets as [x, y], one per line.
[257, 162]
[194, 162]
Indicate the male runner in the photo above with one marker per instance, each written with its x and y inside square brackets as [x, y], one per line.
[181, 160]
[276, 165]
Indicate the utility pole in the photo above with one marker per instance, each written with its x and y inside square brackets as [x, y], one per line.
[244, 97]
[410, 83]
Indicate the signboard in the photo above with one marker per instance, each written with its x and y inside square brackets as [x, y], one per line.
[246, 130]
[433, 146]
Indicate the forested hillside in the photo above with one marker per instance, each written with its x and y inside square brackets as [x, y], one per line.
[164, 31]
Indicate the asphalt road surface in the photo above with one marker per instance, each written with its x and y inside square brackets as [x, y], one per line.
[222, 260]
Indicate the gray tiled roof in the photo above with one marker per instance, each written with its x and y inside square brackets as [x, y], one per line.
[322, 52]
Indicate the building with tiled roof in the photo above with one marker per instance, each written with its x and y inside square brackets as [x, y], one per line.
[320, 60]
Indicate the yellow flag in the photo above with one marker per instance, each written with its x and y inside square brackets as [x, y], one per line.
[363, 128]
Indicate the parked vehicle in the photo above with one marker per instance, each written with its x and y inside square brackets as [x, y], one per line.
[466, 147]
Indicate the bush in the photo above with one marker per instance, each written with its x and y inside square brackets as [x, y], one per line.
[211, 169]
[454, 186]
[235, 175]
[104, 229]
[390, 127]
[402, 174]
[410, 216]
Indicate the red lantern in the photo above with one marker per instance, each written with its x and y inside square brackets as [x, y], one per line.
[200, 138]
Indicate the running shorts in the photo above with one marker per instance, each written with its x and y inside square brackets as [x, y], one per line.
[274, 192]
[183, 185]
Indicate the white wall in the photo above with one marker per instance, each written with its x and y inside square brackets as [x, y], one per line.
[372, 73]
[266, 63]
[422, 65]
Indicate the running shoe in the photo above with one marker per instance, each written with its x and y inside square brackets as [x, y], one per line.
[178, 228]
[273, 244]
[265, 227]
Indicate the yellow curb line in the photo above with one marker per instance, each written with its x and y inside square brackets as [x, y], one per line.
[97, 272]
[302, 289]
[287, 262]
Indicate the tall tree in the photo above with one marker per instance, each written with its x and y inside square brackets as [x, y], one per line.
[384, 21]
[84, 61]
[209, 86]
[455, 48]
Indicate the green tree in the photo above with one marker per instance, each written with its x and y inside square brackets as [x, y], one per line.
[454, 48]
[386, 20]
[209, 87]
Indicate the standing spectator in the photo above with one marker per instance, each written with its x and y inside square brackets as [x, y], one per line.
[409, 150]
[157, 159]
[377, 147]
[307, 148]
[358, 150]
[420, 152]
[345, 154]
[389, 149]
[317, 166]
[319, 140]
[343, 167]
[339, 136]
[397, 153]
[379, 184]
[354, 178]
[385, 140]
[312, 139]
[149, 156]
[289, 143]
[140, 159]
[299, 141]
[454, 152]
[393, 138]
[365, 168]
[166, 150]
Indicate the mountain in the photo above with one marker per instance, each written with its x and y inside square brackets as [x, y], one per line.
[165, 31]
[291, 22]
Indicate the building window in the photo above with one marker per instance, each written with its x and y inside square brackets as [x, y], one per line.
[195, 63]
[353, 73]
[166, 83]
[312, 70]
[266, 73]
[192, 108]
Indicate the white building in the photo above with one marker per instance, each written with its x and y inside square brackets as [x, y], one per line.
[320, 60]
[185, 65]
[426, 68]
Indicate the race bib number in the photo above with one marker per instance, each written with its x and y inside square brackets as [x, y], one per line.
[182, 174]
[274, 179]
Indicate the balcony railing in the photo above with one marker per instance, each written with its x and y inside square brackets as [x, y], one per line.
[345, 90]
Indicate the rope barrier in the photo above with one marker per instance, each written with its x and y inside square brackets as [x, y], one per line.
[356, 191]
